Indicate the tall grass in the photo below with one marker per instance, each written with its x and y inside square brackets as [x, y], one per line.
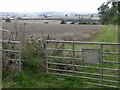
[108, 33]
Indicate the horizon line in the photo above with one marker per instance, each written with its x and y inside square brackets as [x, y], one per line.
[45, 11]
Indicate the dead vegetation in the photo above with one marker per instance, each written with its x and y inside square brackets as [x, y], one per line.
[55, 31]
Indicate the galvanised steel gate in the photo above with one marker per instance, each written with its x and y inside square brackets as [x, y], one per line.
[10, 50]
[95, 62]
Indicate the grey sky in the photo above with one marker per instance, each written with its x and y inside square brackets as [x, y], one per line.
[50, 5]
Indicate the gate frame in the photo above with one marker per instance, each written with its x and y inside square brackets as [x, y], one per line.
[9, 41]
[73, 54]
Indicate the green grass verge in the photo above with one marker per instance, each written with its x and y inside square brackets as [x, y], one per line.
[27, 79]
[108, 33]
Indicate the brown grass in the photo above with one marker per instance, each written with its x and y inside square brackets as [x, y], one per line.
[55, 31]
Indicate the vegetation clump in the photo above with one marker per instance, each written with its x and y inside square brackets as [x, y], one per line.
[63, 22]
[7, 20]
[72, 22]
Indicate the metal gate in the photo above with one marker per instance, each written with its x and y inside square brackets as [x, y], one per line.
[10, 50]
[95, 62]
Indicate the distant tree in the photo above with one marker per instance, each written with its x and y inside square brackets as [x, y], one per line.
[91, 15]
[66, 15]
[7, 20]
[92, 23]
[46, 22]
[19, 18]
[72, 22]
[63, 22]
[76, 15]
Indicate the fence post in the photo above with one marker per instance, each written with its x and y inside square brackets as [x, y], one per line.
[101, 63]
[46, 52]
[119, 65]
[73, 56]
[20, 63]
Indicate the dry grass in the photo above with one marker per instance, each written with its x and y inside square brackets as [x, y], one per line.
[55, 31]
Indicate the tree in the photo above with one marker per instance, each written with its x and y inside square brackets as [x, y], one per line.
[108, 14]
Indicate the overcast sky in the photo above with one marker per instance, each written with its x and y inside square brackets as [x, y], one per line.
[50, 5]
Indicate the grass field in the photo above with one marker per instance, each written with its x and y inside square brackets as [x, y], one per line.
[109, 33]
[31, 79]
[55, 31]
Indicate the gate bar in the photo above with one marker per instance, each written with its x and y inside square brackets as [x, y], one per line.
[78, 42]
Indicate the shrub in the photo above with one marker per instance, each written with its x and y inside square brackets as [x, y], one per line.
[46, 22]
[63, 22]
[92, 23]
[34, 55]
[72, 22]
[115, 20]
[7, 20]
[82, 23]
